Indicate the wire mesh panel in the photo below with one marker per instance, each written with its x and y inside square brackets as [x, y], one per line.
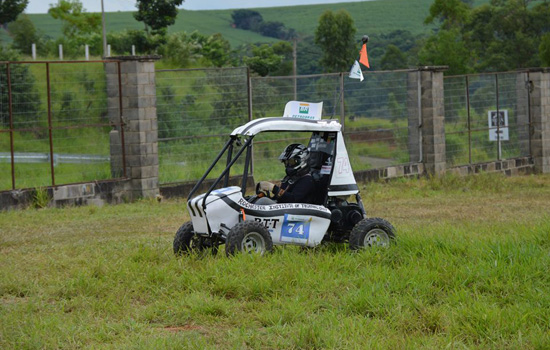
[512, 97]
[457, 121]
[5, 162]
[270, 94]
[375, 115]
[486, 118]
[60, 124]
[376, 124]
[80, 118]
[197, 109]
[20, 88]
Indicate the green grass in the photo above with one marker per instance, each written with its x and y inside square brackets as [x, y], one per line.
[469, 270]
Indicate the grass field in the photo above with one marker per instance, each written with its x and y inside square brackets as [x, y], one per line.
[469, 270]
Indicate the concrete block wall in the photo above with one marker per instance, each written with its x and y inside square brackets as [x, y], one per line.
[426, 109]
[135, 101]
[539, 100]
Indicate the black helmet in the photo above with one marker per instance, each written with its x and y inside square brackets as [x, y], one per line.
[296, 159]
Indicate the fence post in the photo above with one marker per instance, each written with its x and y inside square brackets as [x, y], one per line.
[427, 118]
[60, 52]
[137, 98]
[522, 112]
[33, 50]
[539, 101]
[414, 113]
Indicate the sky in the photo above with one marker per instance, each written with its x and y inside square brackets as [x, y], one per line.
[42, 6]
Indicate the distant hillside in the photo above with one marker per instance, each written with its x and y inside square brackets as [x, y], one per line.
[371, 17]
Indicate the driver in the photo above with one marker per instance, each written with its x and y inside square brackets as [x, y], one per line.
[298, 185]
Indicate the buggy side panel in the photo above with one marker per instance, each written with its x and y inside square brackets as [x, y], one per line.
[294, 223]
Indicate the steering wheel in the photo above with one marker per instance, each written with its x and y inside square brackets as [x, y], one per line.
[262, 193]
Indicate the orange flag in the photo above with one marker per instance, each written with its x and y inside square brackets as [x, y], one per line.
[363, 58]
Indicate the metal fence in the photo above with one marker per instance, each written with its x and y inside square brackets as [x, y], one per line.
[373, 112]
[54, 125]
[198, 108]
[486, 117]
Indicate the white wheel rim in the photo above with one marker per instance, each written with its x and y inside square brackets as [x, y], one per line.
[253, 242]
[376, 237]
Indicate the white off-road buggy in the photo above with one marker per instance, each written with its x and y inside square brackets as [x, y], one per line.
[228, 216]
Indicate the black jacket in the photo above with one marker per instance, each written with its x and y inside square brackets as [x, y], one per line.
[301, 190]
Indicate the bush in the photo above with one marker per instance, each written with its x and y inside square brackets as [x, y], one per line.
[122, 42]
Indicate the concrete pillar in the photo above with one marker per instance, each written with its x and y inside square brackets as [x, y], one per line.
[433, 119]
[539, 79]
[139, 114]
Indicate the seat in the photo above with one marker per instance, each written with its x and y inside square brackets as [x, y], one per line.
[316, 161]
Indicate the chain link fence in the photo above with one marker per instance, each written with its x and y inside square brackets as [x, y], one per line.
[197, 109]
[54, 124]
[54, 127]
[486, 117]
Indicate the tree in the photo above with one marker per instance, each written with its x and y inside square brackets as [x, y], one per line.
[10, 9]
[246, 19]
[335, 35]
[308, 56]
[451, 13]
[446, 48]
[217, 50]
[273, 29]
[25, 98]
[264, 60]
[24, 34]
[544, 50]
[500, 35]
[393, 59]
[121, 42]
[76, 21]
[157, 14]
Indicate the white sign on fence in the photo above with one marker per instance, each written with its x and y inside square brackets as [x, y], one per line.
[498, 125]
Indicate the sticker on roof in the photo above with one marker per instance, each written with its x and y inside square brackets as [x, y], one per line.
[303, 110]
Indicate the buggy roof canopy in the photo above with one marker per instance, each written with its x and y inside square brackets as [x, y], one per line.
[257, 126]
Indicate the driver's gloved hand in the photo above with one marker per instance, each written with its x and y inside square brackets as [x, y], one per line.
[266, 186]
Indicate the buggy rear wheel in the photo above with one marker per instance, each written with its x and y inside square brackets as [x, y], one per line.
[371, 232]
[248, 237]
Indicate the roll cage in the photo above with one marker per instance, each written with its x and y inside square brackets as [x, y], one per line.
[338, 177]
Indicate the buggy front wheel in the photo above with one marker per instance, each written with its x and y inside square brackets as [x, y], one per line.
[187, 241]
[248, 237]
[371, 232]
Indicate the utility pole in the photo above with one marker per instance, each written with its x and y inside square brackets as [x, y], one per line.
[104, 35]
[294, 69]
